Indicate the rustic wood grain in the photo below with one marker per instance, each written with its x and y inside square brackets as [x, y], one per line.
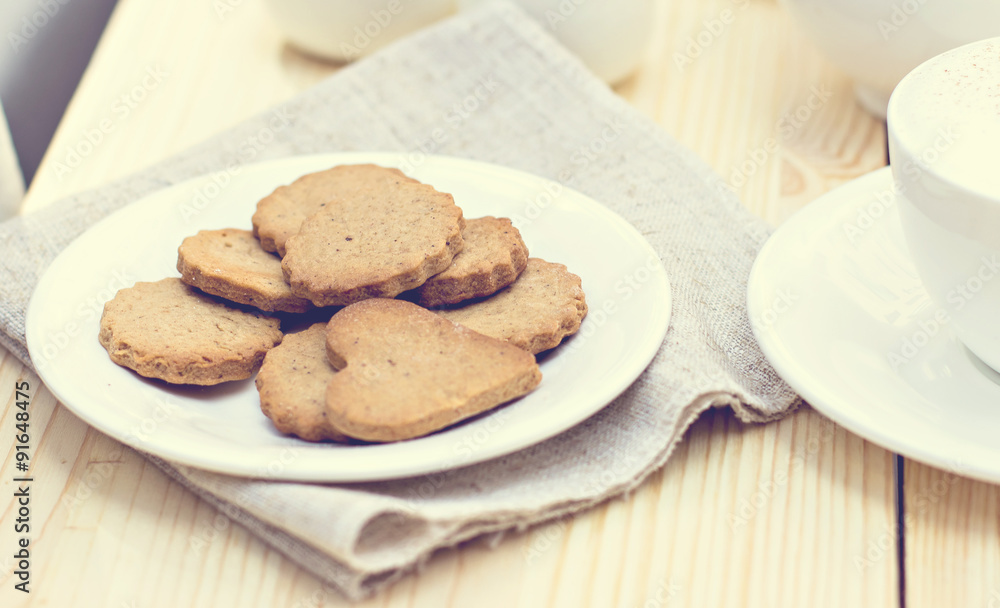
[952, 532]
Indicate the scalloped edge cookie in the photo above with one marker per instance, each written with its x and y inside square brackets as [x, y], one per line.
[492, 258]
[280, 214]
[377, 244]
[543, 306]
[171, 331]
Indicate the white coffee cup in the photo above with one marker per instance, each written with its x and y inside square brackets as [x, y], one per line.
[878, 41]
[944, 150]
[344, 30]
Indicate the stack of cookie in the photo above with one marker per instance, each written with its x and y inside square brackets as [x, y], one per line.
[437, 317]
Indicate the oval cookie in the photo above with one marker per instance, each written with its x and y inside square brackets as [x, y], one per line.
[406, 372]
[544, 305]
[492, 258]
[231, 264]
[171, 331]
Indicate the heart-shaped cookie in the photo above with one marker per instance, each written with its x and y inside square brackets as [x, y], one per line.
[406, 372]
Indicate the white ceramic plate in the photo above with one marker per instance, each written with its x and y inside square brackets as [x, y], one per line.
[222, 429]
[840, 312]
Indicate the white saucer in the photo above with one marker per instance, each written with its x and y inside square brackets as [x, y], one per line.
[840, 312]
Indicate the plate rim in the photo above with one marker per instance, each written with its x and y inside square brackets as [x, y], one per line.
[660, 318]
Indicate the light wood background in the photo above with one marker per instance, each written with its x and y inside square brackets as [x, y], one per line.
[795, 513]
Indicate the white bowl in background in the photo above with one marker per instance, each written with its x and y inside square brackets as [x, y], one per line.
[609, 36]
[878, 41]
[344, 30]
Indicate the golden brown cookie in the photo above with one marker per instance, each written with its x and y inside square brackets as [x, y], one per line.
[376, 244]
[406, 372]
[292, 385]
[492, 258]
[280, 214]
[230, 263]
[171, 331]
[544, 305]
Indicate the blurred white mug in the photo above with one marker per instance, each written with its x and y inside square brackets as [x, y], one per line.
[610, 36]
[344, 30]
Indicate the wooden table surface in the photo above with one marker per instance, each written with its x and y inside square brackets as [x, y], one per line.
[795, 513]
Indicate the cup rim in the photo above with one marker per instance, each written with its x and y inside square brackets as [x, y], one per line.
[893, 134]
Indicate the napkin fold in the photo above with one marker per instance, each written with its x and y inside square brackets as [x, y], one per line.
[490, 85]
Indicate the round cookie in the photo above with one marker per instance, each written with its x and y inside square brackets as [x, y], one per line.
[377, 244]
[544, 305]
[292, 385]
[492, 258]
[406, 372]
[171, 331]
[230, 263]
[280, 214]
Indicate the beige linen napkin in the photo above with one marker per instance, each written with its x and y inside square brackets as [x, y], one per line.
[494, 86]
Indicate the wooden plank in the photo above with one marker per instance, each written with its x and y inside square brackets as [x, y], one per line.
[742, 515]
[952, 530]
